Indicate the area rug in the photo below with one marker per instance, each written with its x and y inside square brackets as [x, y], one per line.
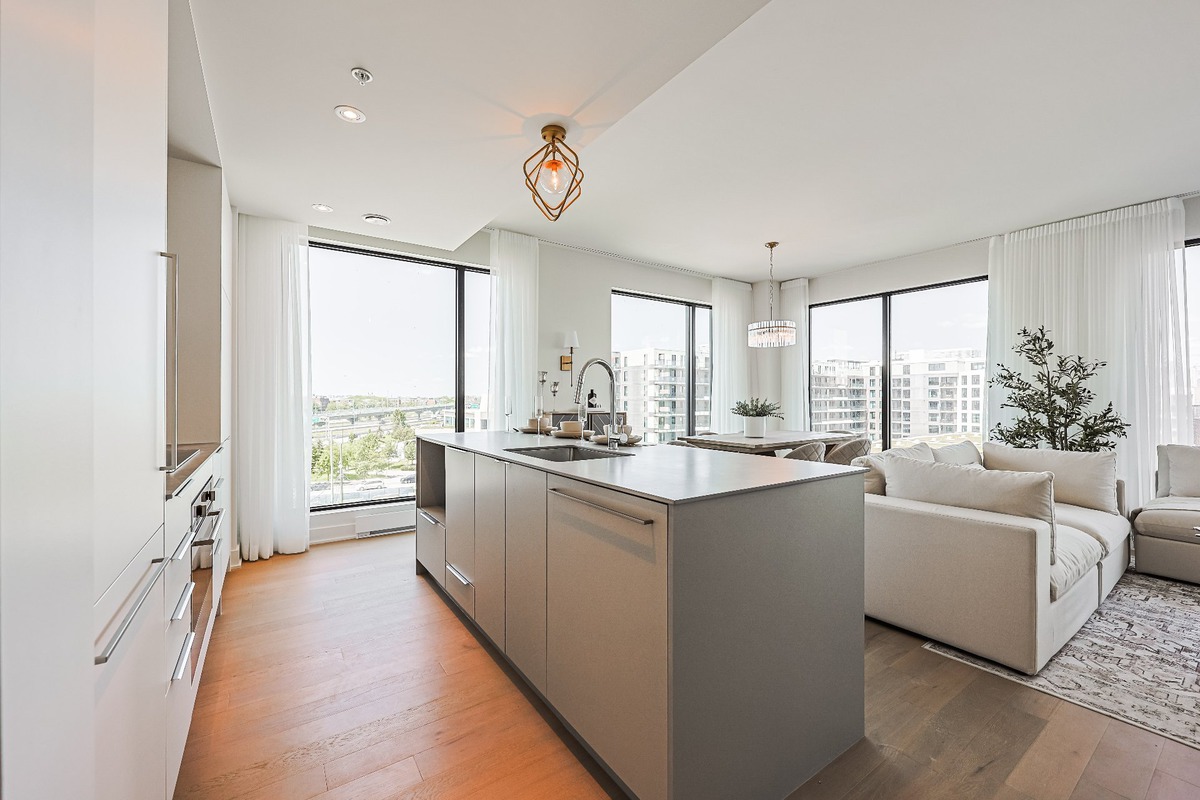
[1137, 659]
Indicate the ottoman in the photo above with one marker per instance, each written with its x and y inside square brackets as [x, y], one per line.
[1164, 538]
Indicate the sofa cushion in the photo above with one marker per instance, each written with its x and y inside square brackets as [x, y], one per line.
[1081, 479]
[1181, 477]
[1107, 529]
[1021, 494]
[1077, 554]
[1170, 518]
[964, 454]
[873, 481]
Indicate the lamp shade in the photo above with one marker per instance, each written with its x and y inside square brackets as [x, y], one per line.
[771, 333]
[570, 339]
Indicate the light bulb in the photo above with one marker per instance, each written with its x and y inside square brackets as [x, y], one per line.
[554, 177]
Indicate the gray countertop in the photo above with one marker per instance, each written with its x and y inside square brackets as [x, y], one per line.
[664, 473]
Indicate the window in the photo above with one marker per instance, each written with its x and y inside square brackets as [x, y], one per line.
[936, 335]
[673, 341]
[385, 364]
[1191, 261]
[846, 356]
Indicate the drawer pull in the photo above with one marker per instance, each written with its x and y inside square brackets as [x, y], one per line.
[220, 515]
[598, 507]
[185, 546]
[123, 628]
[185, 602]
[182, 662]
[429, 517]
[458, 575]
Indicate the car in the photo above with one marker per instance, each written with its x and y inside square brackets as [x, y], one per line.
[367, 486]
[409, 478]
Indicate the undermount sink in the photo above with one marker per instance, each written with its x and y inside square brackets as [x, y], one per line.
[567, 452]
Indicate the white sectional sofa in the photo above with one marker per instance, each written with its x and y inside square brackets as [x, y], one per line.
[1004, 555]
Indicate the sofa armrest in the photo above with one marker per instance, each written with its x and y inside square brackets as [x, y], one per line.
[976, 580]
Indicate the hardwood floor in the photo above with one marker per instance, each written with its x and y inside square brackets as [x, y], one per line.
[341, 674]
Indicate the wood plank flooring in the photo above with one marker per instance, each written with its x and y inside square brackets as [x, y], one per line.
[341, 674]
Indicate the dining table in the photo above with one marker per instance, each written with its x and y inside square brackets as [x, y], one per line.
[765, 445]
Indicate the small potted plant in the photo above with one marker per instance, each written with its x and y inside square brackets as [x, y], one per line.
[755, 413]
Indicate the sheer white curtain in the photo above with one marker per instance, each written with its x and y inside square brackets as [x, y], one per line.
[731, 310]
[793, 297]
[1108, 286]
[273, 406]
[514, 334]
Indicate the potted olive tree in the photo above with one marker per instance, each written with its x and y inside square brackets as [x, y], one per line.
[754, 413]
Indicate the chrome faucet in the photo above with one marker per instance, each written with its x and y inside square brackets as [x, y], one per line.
[613, 436]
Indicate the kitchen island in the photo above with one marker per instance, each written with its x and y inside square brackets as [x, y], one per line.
[694, 617]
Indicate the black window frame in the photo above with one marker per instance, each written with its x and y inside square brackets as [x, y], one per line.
[460, 327]
[690, 307]
[885, 378]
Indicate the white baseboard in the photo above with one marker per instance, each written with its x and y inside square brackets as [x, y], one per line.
[338, 525]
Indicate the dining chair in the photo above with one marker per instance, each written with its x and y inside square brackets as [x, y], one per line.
[846, 452]
[813, 451]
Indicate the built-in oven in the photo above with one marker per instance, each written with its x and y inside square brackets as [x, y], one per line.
[207, 521]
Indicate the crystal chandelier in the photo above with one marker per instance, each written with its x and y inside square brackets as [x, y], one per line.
[771, 332]
[552, 174]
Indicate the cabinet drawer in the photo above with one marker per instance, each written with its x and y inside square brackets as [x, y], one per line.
[431, 545]
[458, 587]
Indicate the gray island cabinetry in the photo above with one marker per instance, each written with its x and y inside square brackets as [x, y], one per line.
[694, 617]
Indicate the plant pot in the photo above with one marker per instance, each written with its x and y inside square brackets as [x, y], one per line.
[756, 427]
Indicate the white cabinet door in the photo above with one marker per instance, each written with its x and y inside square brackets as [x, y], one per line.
[130, 686]
[489, 547]
[525, 572]
[606, 631]
[128, 323]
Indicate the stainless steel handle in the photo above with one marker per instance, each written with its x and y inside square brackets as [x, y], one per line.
[185, 546]
[458, 575]
[428, 517]
[598, 507]
[173, 379]
[216, 550]
[185, 602]
[218, 483]
[182, 662]
[123, 628]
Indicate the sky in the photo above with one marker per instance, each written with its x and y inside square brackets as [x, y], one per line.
[948, 317]
[386, 327]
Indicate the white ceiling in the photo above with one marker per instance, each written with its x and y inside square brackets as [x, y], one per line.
[459, 96]
[849, 131]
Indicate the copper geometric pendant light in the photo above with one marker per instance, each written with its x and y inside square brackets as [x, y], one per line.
[552, 174]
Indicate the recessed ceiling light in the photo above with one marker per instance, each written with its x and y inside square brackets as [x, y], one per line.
[350, 114]
[376, 219]
[324, 209]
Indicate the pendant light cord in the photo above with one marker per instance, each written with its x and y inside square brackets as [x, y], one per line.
[771, 281]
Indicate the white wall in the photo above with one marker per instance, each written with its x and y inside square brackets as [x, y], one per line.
[954, 263]
[476, 250]
[46, 399]
[574, 295]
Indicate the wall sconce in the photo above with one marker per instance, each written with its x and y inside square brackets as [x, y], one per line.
[570, 340]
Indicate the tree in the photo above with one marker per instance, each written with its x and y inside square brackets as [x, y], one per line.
[1054, 406]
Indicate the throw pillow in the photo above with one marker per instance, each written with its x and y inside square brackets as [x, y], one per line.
[1020, 494]
[964, 454]
[1183, 470]
[873, 481]
[1080, 479]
